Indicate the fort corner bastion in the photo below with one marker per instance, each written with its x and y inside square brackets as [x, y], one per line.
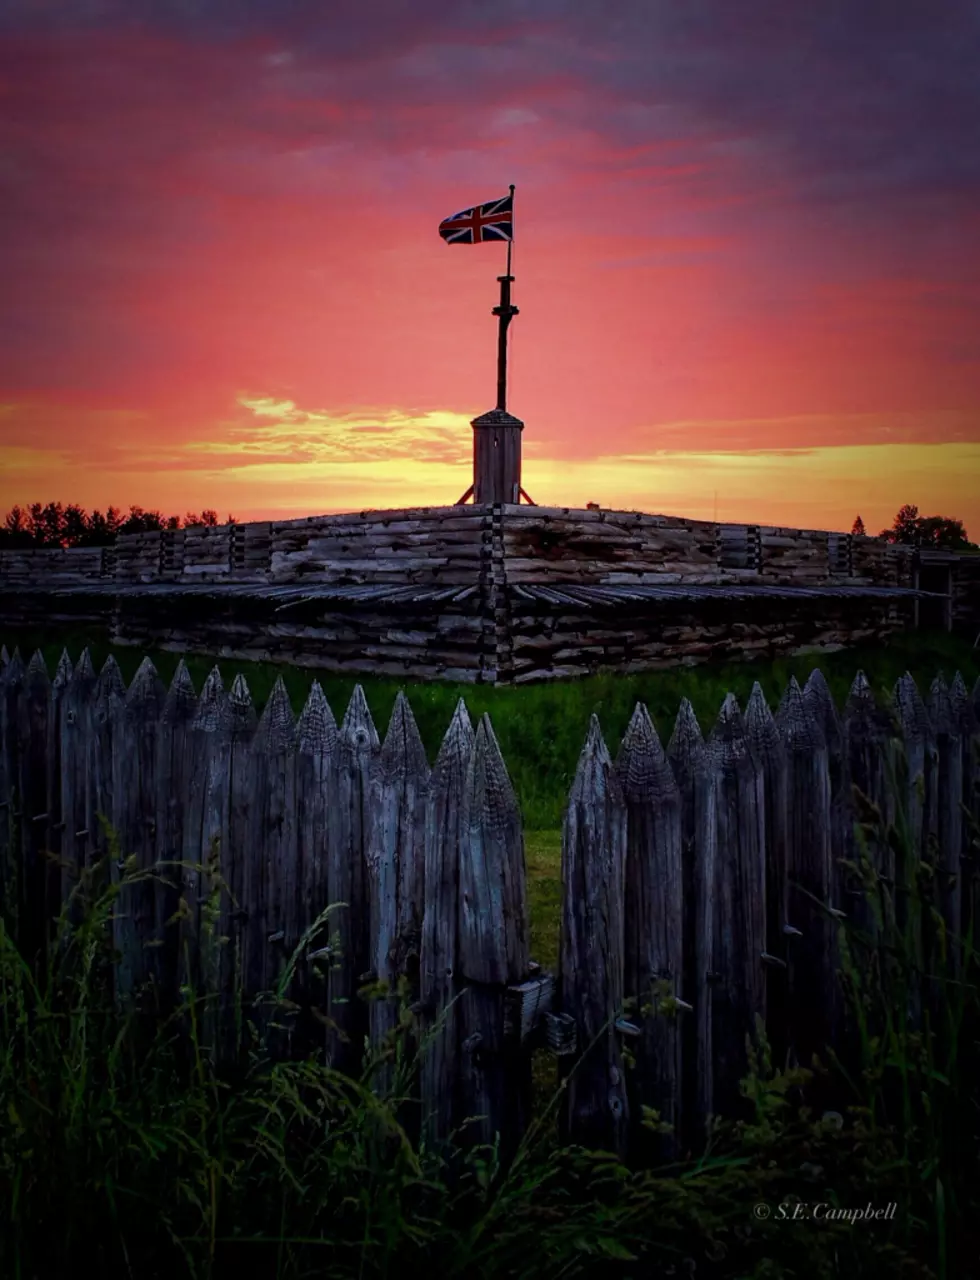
[500, 593]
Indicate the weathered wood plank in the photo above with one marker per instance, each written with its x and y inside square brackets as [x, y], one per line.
[318, 833]
[870, 890]
[739, 939]
[813, 955]
[592, 948]
[493, 950]
[52, 850]
[36, 817]
[445, 831]
[110, 690]
[358, 747]
[134, 764]
[171, 818]
[947, 735]
[204, 906]
[968, 721]
[14, 732]
[767, 745]
[688, 757]
[817, 696]
[396, 864]
[916, 811]
[271, 869]
[240, 721]
[77, 781]
[654, 928]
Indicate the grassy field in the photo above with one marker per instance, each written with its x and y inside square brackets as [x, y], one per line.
[542, 728]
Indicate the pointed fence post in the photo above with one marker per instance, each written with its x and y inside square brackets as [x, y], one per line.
[36, 819]
[867, 730]
[949, 815]
[110, 690]
[968, 722]
[694, 772]
[919, 744]
[134, 762]
[592, 949]
[445, 831]
[53, 870]
[396, 865]
[493, 951]
[654, 930]
[739, 951]
[358, 748]
[817, 696]
[813, 962]
[239, 726]
[14, 736]
[172, 795]
[318, 838]
[270, 881]
[767, 745]
[916, 813]
[208, 746]
[77, 781]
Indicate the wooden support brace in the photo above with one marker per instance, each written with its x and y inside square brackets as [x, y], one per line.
[561, 1033]
[525, 1006]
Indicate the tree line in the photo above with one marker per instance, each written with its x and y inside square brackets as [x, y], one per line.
[910, 529]
[54, 525]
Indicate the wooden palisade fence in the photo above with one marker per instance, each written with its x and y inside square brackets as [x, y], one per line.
[703, 884]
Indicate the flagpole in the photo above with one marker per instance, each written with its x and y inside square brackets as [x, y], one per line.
[506, 313]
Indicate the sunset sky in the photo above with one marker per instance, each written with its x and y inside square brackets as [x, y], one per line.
[747, 253]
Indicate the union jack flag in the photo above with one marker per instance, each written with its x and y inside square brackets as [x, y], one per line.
[493, 221]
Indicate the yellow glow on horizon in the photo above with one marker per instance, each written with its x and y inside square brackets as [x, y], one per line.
[284, 462]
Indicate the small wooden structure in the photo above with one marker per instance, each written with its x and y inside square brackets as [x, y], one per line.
[497, 434]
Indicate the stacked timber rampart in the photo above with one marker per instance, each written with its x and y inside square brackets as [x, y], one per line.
[490, 594]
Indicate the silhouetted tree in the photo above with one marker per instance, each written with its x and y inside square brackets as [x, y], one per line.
[75, 526]
[937, 532]
[904, 527]
[54, 525]
[942, 532]
[16, 532]
[857, 528]
[98, 533]
[208, 517]
[140, 521]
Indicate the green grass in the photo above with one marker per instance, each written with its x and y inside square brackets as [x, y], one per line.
[542, 728]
